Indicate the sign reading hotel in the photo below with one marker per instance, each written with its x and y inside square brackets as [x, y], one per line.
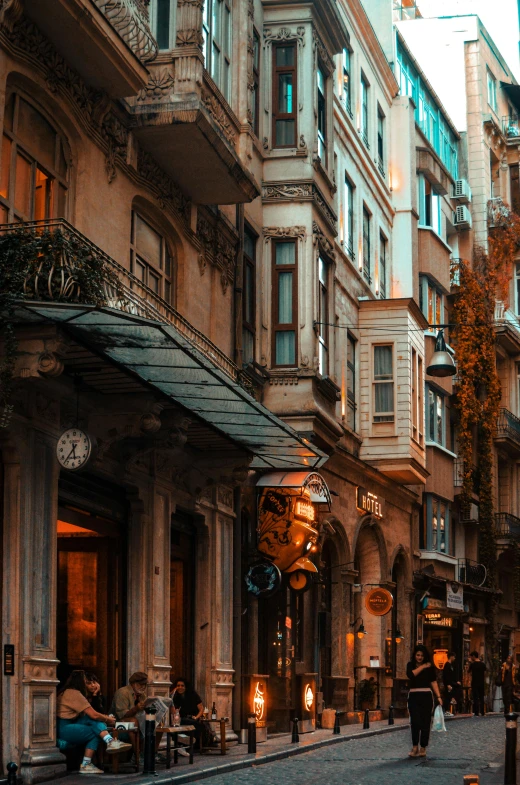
[370, 502]
[379, 602]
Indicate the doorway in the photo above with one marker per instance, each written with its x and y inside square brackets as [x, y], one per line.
[90, 611]
[182, 587]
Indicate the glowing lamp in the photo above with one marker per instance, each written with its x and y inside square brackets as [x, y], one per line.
[398, 637]
[361, 631]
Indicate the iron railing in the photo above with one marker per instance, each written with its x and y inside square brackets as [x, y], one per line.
[508, 426]
[511, 126]
[130, 19]
[381, 166]
[507, 525]
[469, 571]
[130, 295]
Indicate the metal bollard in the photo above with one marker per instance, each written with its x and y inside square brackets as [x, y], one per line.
[366, 721]
[391, 715]
[295, 735]
[149, 741]
[510, 759]
[251, 733]
[336, 730]
[12, 768]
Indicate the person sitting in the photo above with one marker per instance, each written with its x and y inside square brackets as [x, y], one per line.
[94, 696]
[128, 704]
[190, 706]
[79, 723]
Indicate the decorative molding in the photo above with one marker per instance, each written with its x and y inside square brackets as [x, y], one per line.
[288, 379]
[284, 231]
[219, 115]
[189, 37]
[326, 211]
[251, 9]
[10, 13]
[159, 87]
[275, 192]
[167, 191]
[116, 137]
[284, 34]
[322, 242]
[218, 246]
[323, 54]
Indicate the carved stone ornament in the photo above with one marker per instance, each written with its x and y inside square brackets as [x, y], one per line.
[284, 231]
[322, 241]
[218, 247]
[189, 37]
[251, 9]
[201, 259]
[325, 58]
[116, 137]
[303, 143]
[326, 211]
[289, 191]
[10, 12]
[50, 364]
[219, 115]
[160, 86]
[167, 191]
[285, 34]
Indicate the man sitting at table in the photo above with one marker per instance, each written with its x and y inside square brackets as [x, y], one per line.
[190, 706]
[129, 701]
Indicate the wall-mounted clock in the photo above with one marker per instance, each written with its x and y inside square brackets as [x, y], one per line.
[73, 449]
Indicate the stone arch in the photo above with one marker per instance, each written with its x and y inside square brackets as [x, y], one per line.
[401, 617]
[368, 521]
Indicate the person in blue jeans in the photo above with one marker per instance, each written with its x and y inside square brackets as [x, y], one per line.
[79, 723]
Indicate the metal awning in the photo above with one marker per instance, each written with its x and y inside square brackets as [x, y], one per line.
[159, 356]
[513, 93]
[313, 481]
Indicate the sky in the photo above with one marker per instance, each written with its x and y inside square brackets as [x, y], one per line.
[500, 17]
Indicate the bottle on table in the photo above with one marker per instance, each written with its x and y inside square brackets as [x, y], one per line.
[176, 718]
[214, 711]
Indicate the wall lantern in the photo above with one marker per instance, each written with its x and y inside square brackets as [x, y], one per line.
[442, 362]
[398, 637]
[308, 697]
[361, 632]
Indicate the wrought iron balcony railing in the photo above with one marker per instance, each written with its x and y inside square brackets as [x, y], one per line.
[472, 572]
[458, 475]
[508, 426]
[507, 525]
[130, 19]
[511, 126]
[55, 279]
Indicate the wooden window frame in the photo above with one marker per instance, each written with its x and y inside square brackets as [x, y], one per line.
[293, 326]
[432, 437]
[248, 261]
[277, 72]
[225, 48]
[389, 416]
[166, 257]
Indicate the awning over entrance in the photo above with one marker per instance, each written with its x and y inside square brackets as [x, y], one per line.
[162, 358]
[313, 481]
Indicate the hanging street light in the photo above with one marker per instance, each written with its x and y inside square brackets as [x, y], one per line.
[442, 362]
[398, 637]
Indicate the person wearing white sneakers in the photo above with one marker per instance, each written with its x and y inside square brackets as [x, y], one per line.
[79, 723]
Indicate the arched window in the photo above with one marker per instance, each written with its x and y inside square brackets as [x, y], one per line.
[151, 258]
[33, 173]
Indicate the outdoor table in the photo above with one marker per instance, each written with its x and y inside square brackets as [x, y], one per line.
[115, 757]
[222, 722]
[175, 731]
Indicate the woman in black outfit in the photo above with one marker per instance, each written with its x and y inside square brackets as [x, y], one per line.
[423, 680]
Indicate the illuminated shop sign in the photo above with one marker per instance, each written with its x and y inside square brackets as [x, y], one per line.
[305, 510]
[370, 502]
[379, 602]
[308, 697]
[285, 532]
[259, 701]
[438, 620]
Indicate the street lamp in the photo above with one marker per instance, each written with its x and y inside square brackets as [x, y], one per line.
[398, 637]
[442, 362]
[361, 632]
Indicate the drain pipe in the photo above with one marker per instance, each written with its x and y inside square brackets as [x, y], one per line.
[237, 611]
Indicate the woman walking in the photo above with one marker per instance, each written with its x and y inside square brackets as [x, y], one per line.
[423, 681]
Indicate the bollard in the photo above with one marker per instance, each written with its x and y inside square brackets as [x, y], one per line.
[251, 733]
[510, 759]
[391, 715]
[366, 721]
[149, 740]
[295, 735]
[12, 768]
[336, 730]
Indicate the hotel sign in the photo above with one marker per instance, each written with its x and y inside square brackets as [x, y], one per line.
[379, 602]
[369, 502]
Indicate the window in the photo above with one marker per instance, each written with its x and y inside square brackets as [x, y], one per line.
[284, 95]
[150, 260]
[346, 83]
[323, 318]
[431, 300]
[436, 414]
[349, 218]
[429, 206]
[405, 9]
[417, 397]
[437, 524]
[216, 32]
[514, 183]
[322, 115]
[249, 297]
[382, 266]
[380, 141]
[366, 245]
[383, 384]
[364, 111]
[492, 90]
[33, 175]
[285, 302]
[255, 98]
[162, 23]
[351, 382]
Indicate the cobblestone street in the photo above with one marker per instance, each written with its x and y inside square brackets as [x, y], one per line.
[474, 745]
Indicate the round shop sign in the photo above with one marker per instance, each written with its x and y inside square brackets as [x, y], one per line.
[263, 579]
[379, 602]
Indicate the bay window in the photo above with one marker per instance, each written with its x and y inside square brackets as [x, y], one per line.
[323, 318]
[431, 300]
[417, 397]
[322, 115]
[216, 32]
[163, 28]
[429, 206]
[383, 383]
[435, 417]
[249, 297]
[284, 95]
[285, 302]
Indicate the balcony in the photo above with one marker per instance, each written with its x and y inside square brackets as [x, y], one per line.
[106, 41]
[511, 128]
[508, 432]
[458, 475]
[119, 288]
[471, 572]
[507, 527]
[185, 122]
[507, 328]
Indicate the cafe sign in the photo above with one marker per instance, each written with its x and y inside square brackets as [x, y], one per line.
[454, 596]
[379, 602]
[369, 502]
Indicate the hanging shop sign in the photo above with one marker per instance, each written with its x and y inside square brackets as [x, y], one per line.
[454, 596]
[379, 602]
[263, 579]
[370, 502]
[286, 534]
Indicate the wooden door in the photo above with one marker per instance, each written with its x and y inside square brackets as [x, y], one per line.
[182, 582]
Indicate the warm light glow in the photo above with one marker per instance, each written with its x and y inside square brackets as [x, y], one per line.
[361, 634]
[471, 629]
[314, 548]
[305, 510]
[259, 702]
[308, 697]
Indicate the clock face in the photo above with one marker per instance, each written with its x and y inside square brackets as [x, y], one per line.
[73, 449]
[298, 580]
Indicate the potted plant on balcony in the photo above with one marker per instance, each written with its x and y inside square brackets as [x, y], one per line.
[367, 692]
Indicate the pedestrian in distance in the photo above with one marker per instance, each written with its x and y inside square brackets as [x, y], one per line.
[423, 685]
[477, 670]
[452, 687]
[508, 681]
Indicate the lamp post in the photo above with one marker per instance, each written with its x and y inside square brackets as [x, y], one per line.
[441, 364]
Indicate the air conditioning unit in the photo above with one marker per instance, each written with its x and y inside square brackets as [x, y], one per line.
[462, 217]
[462, 191]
